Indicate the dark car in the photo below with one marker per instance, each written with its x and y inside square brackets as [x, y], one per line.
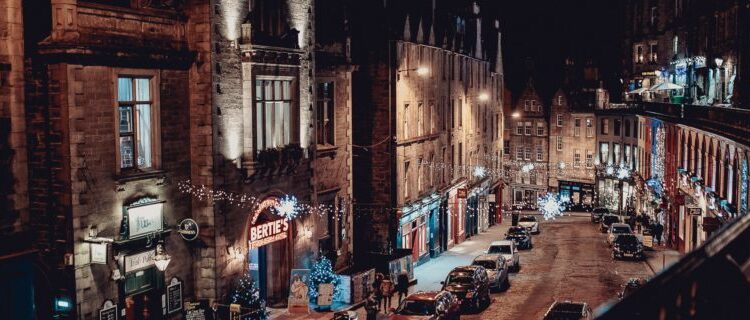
[632, 285]
[470, 284]
[437, 305]
[596, 214]
[520, 236]
[627, 246]
[607, 220]
[568, 310]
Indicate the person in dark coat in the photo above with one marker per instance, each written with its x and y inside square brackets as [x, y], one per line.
[658, 229]
[377, 293]
[402, 286]
[372, 306]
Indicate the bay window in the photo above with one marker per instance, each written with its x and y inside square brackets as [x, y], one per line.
[273, 113]
[325, 113]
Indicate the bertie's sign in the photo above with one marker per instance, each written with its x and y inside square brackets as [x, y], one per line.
[265, 233]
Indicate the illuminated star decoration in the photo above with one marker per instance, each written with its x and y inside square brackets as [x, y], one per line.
[551, 206]
[287, 208]
[610, 170]
[527, 167]
[623, 173]
[480, 172]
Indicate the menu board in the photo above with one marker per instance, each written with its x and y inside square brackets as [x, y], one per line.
[325, 294]
[108, 311]
[198, 310]
[174, 296]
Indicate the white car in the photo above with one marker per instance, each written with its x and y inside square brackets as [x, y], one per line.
[530, 223]
[497, 269]
[617, 229]
[507, 248]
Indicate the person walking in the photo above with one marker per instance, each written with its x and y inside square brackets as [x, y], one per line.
[402, 286]
[386, 290]
[371, 307]
[377, 293]
[658, 229]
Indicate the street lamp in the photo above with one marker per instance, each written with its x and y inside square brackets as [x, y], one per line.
[515, 114]
[161, 259]
[484, 96]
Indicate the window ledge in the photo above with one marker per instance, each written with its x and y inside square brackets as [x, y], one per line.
[140, 175]
[325, 148]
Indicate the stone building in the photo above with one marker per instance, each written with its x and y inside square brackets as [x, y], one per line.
[529, 151]
[617, 155]
[572, 150]
[692, 44]
[427, 103]
[112, 130]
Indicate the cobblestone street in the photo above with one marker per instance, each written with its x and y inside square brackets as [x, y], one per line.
[570, 260]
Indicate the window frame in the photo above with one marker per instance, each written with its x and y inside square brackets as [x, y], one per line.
[154, 84]
[293, 110]
[560, 120]
[332, 121]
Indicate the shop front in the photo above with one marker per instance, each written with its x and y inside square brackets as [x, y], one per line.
[416, 228]
[580, 195]
[269, 254]
[456, 213]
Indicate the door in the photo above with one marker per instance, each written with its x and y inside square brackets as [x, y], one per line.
[143, 306]
[276, 270]
[443, 231]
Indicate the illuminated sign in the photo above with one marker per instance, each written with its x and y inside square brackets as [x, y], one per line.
[144, 217]
[269, 232]
[188, 229]
[461, 193]
[139, 261]
[697, 62]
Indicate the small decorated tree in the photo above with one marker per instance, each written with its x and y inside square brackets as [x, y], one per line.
[245, 292]
[322, 272]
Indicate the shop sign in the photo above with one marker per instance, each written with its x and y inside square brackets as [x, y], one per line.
[197, 310]
[648, 73]
[695, 211]
[144, 217]
[108, 311]
[269, 232]
[461, 193]
[174, 296]
[188, 229]
[139, 261]
[98, 253]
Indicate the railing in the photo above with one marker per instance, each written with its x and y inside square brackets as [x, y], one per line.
[711, 282]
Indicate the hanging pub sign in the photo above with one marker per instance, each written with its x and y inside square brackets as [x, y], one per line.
[98, 253]
[188, 229]
[174, 296]
[261, 234]
[108, 311]
[142, 218]
[461, 193]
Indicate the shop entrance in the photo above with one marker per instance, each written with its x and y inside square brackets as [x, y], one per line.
[143, 306]
[270, 252]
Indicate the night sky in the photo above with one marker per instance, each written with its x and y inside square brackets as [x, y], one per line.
[548, 31]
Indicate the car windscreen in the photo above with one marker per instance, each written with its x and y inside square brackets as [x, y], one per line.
[627, 239]
[487, 264]
[527, 219]
[620, 230]
[611, 219]
[499, 249]
[416, 308]
[517, 231]
[460, 278]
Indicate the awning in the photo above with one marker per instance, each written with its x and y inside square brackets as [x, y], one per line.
[638, 91]
[665, 86]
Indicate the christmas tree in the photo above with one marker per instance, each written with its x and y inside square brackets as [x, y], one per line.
[246, 293]
[322, 272]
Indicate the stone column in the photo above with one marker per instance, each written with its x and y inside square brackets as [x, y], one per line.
[64, 19]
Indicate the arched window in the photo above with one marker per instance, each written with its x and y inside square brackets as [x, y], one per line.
[697, 170]
[728, 175]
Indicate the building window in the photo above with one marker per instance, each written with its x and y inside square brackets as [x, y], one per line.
[604, 153]
[559, 143]
[540, 128]
[406, 121]
[675, 44]
[605, 126]
[420, 119]
[526, 105]
[654, 16]
[460, 113]
[528, 128]
[273, 113]
[639, 54]
[519, 153]
[577, 127]
[589, 159]
[577, 159]
[616, 127]
[406, 180]
[519, 128]
[539, 154]
[527, 153]
[627, 155]
[627, 128]
[137, 118]
[432, 115]
[326, 113]
[506, 147]
[560, 100]
[420, 174]
[559, 120]
[654, 53]
[634, 164]
[616, 153]
[589, 127]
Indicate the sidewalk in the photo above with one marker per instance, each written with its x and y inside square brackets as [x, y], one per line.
[661, 258]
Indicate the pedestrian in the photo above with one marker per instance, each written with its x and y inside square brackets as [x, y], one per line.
[402, 286]
[658, 229]
[386, 290]
[371, 307]
[638, 222]
[377, 293]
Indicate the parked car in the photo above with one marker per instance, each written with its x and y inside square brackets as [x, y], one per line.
[345, 315]
[530, 223]
[433, 305]
[470, 284]
[630, 286]
[616, 229]
[497, 269]
[597, 213]
[568, 310]
[607, 220]
[508, 249]
[627, 246]
[520, 236]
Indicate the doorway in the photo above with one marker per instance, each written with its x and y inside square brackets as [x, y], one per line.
[143, 306]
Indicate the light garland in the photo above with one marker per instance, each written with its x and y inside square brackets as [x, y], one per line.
[288, 207]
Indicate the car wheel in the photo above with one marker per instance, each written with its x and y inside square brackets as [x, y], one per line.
[506, 284]
[477, 304]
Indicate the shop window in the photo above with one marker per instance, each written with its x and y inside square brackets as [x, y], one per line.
[604, 153]
[138, 123]
[326, 117]
[273, 113]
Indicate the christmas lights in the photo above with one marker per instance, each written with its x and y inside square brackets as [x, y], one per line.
[246, 293]
[322, 272]
[288, 208]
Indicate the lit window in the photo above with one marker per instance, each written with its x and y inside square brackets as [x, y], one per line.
[589, 159]
[540, 128]
[589, 127]
[539, 154]
[273, 113]
[559, 120]
[559, 143]
[137, 127]
[325, 111]
[519, 128]
[577, 128]
[577, 161]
